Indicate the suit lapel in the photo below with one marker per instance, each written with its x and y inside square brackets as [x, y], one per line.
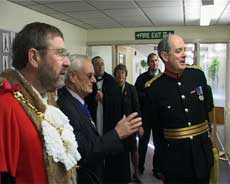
[77, 108]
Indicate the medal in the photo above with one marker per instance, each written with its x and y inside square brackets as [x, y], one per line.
[201, 97]
[199, 92]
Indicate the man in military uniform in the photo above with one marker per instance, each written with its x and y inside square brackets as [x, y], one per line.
[153, 70]
[178, 108]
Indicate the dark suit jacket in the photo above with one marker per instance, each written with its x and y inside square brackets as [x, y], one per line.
[93, 148]
[111, 102]
[118, 167]
[130, 102]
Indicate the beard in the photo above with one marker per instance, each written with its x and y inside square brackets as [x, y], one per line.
[49, 79]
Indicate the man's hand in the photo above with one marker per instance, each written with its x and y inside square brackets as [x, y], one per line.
[128, 125]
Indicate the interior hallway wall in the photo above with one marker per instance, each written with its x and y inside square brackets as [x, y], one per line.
[227, 105]
[14, 17]
[190, 34]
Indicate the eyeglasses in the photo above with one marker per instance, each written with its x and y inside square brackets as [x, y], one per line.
[62, 52]
[90, 75]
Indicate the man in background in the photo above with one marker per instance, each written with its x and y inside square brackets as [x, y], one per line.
[105, 100]
[153, 70]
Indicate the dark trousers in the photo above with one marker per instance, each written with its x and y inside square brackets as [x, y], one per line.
[143, 146]
[192, 180]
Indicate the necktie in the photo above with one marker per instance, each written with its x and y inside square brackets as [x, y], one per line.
[86, 110]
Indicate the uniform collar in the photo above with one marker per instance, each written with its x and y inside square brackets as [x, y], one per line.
[99, 78]
[153, 73]
[172, 74]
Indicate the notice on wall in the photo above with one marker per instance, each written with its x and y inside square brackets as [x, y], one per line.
[143, 35]
[6, 42]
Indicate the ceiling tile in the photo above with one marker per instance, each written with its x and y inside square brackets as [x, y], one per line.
[23, 2]
[60, 16]
[86, 14]
[91, 14]
[174, 16]
[42, 9]
[124, 12]
[79, 23]
[54, 1]
[135, 23]
[102, 5]
[225, 18]
[71, 6]
[158, 3]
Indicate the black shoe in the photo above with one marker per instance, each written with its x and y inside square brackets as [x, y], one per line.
[157, 174]
[136, 178]
[141, 170]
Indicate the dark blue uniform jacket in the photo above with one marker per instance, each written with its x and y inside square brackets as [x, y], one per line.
[179, 102]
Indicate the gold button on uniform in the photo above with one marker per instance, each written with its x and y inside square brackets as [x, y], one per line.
[189, 124]
[186, 110]
[182, 96]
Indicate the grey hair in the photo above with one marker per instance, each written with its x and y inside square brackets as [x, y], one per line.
[163, 46]
[76, 62]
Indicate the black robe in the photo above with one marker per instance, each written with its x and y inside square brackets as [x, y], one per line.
[112, 112]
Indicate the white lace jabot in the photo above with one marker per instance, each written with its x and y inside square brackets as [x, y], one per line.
[59, 138]
[60, 141]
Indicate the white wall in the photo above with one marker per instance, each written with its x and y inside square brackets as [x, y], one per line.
[190, 34]
[14, 17]
[106, 53]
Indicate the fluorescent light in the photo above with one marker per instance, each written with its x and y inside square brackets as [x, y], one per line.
[208, 11]
[205, 15]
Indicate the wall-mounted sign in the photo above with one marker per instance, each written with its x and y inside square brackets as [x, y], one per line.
[6, 41]
[142, 35]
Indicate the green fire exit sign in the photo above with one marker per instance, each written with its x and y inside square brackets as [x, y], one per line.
[142, 35]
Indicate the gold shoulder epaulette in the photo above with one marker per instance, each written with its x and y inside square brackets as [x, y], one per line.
[194, 67]
[148, 83]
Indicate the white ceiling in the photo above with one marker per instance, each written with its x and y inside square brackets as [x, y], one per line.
[100, 14]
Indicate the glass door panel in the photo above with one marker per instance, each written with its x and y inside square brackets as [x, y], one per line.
[213, 63]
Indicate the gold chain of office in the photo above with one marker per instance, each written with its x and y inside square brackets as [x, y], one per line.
[19, 96]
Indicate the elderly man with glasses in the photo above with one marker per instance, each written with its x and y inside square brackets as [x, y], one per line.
[92, 147]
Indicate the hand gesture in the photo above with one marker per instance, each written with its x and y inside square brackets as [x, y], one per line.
[128, 125]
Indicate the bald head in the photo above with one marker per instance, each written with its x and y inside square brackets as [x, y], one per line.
[171, 50]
